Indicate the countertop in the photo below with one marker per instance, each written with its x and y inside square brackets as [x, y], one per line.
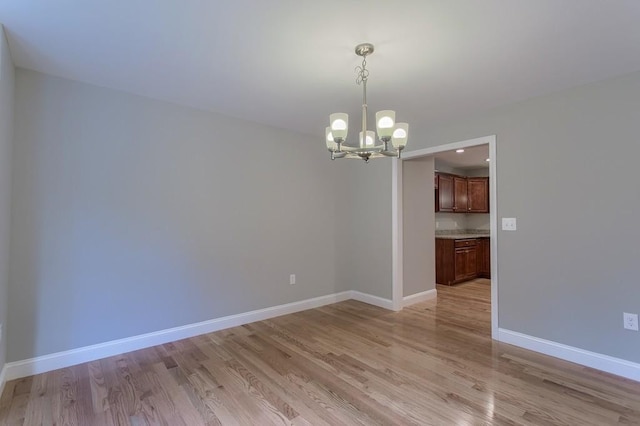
[462, 236]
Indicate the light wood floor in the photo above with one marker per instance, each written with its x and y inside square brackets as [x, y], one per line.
[348, 363]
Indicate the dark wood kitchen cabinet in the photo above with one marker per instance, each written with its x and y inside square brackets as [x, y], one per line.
[460, 197]
[444, 192]
[484, 257]
[478, 195]
[456, 260]
[459, 194]
[466, 260]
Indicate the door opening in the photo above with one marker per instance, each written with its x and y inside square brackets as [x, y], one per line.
[415, 164]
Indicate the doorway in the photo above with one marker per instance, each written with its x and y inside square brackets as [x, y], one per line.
[400, 191]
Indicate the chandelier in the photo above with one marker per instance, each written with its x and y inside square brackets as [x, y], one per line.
[392, 136]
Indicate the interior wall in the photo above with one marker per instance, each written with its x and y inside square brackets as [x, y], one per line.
[363, 240]
[569, 271]
[6, 138]
[446, 168]
[120, 184]
[132, 215]
[481, 172]
[419, 252]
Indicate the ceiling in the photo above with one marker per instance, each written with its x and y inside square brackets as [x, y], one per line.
[473, 157]
[289, 63]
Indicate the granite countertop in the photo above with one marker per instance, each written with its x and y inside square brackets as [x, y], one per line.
[463, 235]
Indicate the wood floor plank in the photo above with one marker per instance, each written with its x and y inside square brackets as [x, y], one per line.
[350, 363]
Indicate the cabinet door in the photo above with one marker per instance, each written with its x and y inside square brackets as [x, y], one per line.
[466, 263]
[480, 257]
[484, 258]
[460, 203]
[460, 263]
[472, 262]
[487, 258]
[478, 195]
[445, 261]
[444, 193]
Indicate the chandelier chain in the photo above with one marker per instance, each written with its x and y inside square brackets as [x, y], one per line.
[363, 72]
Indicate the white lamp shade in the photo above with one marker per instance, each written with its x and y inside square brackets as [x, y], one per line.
[331, 144]
[400, 135]
[370, 140]
[339, 122]
[385, 123]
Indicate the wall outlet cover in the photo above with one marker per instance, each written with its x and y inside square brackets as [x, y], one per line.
[630, 321]
[508, 223]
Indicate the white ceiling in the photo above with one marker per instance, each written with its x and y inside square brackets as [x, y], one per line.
[474, 157]
[289, 63]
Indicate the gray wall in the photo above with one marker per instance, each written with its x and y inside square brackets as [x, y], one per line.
[445, 168]
[6, 135]
[481, 172]
[419, 251]
[132, 215]
[363, 196]
[567, 170]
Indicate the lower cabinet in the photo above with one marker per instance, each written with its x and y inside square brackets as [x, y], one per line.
[484, 258]
[465, 262]
[461, 260]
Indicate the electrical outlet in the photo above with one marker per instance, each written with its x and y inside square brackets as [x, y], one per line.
[292, 279]
[630, 321]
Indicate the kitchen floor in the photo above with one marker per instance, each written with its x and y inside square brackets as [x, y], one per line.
[475, 298]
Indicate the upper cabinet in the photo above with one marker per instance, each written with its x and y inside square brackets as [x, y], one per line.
[459, 194]
[478, 195]
[444, 192]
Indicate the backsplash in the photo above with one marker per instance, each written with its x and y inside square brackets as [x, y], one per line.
[479, 221]
[450, 221]
[461, 222]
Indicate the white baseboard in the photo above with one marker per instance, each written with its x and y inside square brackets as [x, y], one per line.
[419, 297]
[372, 300]
[3, 378]
[617, 366]
[42, 364]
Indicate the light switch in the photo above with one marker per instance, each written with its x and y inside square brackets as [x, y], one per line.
[508, 223]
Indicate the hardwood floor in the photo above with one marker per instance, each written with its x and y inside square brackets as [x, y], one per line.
[349, 363]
